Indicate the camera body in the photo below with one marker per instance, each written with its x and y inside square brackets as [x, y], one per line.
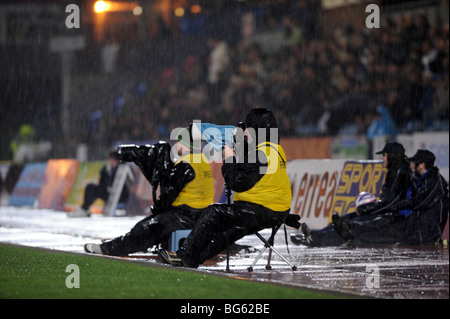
[133, 152]
[154, 161]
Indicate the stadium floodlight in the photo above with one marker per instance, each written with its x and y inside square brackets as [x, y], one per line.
[117, 6]
[101, 6]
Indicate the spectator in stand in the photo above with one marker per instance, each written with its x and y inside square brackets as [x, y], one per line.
[441, 99]
[293, 33]
[385, 66]
[219, 60]
[383, 125]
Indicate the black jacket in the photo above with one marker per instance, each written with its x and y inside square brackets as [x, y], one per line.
[107, 174]
[429, 203]
[393, 190]
[160, 171]
[242, 175]
[177, 178]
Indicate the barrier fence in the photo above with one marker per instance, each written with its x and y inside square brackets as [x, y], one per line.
[320, 186]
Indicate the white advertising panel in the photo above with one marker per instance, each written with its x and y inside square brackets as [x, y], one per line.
[314, 184]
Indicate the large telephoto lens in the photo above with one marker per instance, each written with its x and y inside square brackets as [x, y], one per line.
[132, 152]
[125, 152]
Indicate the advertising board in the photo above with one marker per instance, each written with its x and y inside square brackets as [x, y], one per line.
[313, 185]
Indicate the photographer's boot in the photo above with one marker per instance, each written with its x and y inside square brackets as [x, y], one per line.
[93, 249]
[341, 227]
[303, 238]
[79, 213]
[169, 257]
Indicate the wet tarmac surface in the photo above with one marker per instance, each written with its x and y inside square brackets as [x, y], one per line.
[406, 273]
[418, 272]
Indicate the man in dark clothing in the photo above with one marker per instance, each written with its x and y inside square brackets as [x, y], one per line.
[187, 189]
[398, 178]
[417, 220]
[262, 196]
[428, 202]
[103, 189]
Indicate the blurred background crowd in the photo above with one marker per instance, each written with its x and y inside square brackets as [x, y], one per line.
[216, 62]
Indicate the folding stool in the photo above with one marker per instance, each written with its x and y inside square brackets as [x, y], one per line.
[268, 243]
[291, 220]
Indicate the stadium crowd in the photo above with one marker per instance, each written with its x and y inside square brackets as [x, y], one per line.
[315, 85]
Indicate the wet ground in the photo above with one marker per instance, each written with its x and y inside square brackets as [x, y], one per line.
[367, 272]
[360, 272]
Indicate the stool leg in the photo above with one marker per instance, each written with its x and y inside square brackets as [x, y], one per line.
[228, 257]
[294, 268]
[250, 269]
[268, 266]
[228, 193]
[268, 245]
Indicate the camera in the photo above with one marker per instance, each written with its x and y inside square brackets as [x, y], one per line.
[153, 160]
[132, 152]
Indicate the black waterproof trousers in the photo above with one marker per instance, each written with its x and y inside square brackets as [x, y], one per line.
[223, 224]
[366, 231]
[151, 231]
[325, 237]
[377, 230]
[91, 193]
[328, 236]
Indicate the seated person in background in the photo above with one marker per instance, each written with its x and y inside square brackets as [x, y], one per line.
[426, 206]
[188, 188]
[419, 219]
[398, 178]
[103, 189]
[397, 181]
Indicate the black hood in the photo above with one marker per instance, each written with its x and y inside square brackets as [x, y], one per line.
[261, 118]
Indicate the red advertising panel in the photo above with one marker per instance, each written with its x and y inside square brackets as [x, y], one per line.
[59, 178]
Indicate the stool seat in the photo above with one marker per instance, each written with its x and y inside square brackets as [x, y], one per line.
[177, 238]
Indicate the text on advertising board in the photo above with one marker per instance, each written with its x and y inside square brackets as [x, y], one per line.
[356, 177]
